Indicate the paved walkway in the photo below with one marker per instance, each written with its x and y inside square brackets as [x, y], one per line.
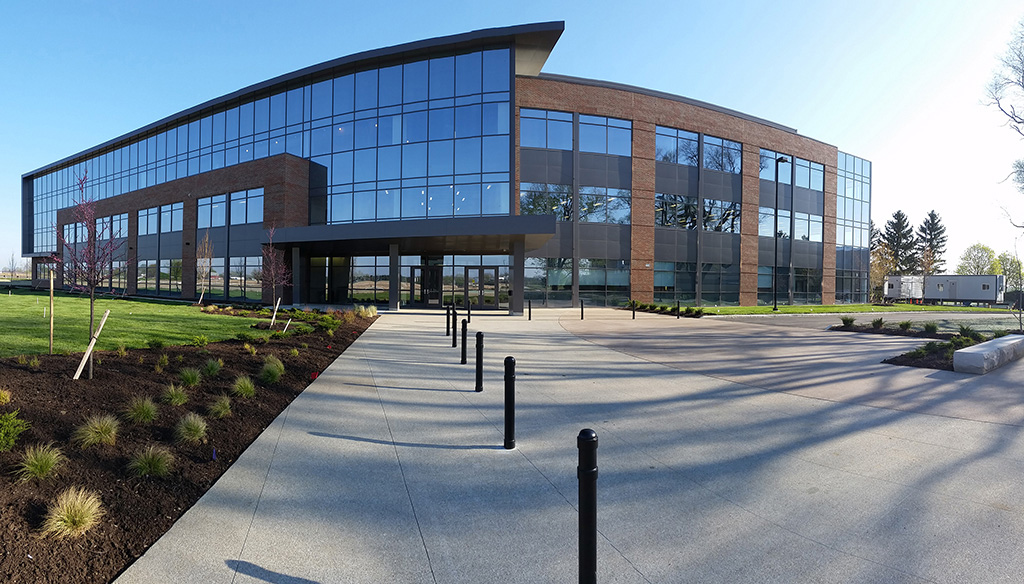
[729, 452]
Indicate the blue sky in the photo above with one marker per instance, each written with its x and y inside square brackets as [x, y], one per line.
[899, 83]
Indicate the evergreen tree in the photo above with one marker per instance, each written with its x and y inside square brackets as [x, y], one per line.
[898, 237]
[931, 244]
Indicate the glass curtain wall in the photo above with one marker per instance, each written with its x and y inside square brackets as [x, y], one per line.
[853, 212]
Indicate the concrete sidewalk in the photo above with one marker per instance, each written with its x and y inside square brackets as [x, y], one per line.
[729, 452]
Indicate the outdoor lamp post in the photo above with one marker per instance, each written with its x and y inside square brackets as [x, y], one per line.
[775, 256]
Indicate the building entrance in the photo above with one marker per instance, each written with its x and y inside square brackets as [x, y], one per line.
[484, 289]
[426, 286]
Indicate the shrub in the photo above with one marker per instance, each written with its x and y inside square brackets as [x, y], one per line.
[967, 331]
[151, 461]
[330, 332]
[97, 429]
[250, 348]
[155, 344]
[931, 328]
[34, 362]
[190, 429]
[5, 397]
[698, 312]
[999, 333]
[175, 395]
[243, 387]
[278, 335]
[22, 360]
[688, 311]
[220, 407]
[199, 341]
[163, 360]
[246, 337]
[848, 320]
[905, 325]
[39, 462]
[304, 345]
[141, 410]
[74, 512]
[122, 350]
[179, 358]
[10, 428]
[190, 376]
[272, 370]
[348, 317]
[294, 353]
[212, 367]
[878, 323]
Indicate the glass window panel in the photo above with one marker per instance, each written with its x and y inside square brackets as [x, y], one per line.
[366, 133]
[593, 138]
[440, 158]
[532, 133]
[277, 145]
[343, 136]
[440, 201]
[322, 100]
[442, 124]
[712, 156]
[390, 85]
[495, 118]
[592, 208]
[560, 135]
[389, 162]
[665, 148]
[414, 160]
[467, 74]
[496, 70]
[245, 120]
[414, 127]
[278, 109]
[620, 141]
[467, 121]
[442, 77]
[364, 205]
[296, 100]
[366, 89]
[341, 207]
[388, 203]
[414, 82]
[467, 199]
[261, 116]
[495, 198]
[467, 156]
[414, 202]
[496, 154]
[218, 211]
[344, 96]
[254, 213]
[320, 141]
[193, 143]
[365, 165]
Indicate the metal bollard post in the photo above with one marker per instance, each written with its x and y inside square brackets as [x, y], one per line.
[510, 403]
[581, 309]
[479, 360]
[455, 327]
[465, 326]
[469, 310]
[677, 309]
[447, 321]
[529, 310]
[633, 303]
[586, 473]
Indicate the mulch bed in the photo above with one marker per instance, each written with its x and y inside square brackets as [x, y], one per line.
[138, 510]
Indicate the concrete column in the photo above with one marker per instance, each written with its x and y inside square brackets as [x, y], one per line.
[394, 276]
[516, 302]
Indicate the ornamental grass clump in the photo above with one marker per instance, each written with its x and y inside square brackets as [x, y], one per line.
[190, 376]
[931, 328]
[220, 407]
[5, 397]
[905, 325]
[212, 367]
[272, 370]
[175, 395]
[97, 429]
[11, 426]
[141, 410]
[74, 512]
[39, 462]
[878, 323]
[243, 387]
[847, 320]
[190, 429]
[152, 461]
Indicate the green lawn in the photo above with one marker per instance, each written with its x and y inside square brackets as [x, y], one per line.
[25, 331]
[842, 308]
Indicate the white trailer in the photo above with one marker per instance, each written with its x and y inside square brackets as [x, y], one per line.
[986, 289]
[903, 288]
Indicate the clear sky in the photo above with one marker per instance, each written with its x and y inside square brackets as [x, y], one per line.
[899, 83]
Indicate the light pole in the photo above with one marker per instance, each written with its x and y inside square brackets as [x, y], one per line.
[775, 256]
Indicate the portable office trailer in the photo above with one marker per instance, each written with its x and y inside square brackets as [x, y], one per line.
[904, 288]
[986, 289]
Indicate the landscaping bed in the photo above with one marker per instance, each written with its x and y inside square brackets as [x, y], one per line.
[138, 510]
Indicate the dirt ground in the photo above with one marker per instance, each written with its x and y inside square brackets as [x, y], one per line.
[138, 510]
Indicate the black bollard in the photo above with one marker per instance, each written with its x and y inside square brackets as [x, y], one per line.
[581, 309]
[586, 473]
[677, 309]
[633, 304]
[447, 321]
[465, 326]
[469, 310]
[510, 403]
[479, 360]
[529, 310]
[455, 327]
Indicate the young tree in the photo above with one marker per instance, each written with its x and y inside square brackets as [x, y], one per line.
[88, 257]
[978, 260]
[275, 272]
[204, 264]
[931, 244]
[1006, 92]
[898, 237]
[1012, 270]
[12, 265]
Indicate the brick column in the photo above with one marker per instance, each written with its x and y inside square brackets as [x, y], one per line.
[748, 224]
[641, 245]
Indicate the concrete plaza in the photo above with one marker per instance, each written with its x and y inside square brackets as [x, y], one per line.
[731, 450]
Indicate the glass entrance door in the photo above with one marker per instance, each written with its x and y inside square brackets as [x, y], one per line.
[426, 286]
[484, 288]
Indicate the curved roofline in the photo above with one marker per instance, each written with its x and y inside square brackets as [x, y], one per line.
[669, 96]
[533, 43]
